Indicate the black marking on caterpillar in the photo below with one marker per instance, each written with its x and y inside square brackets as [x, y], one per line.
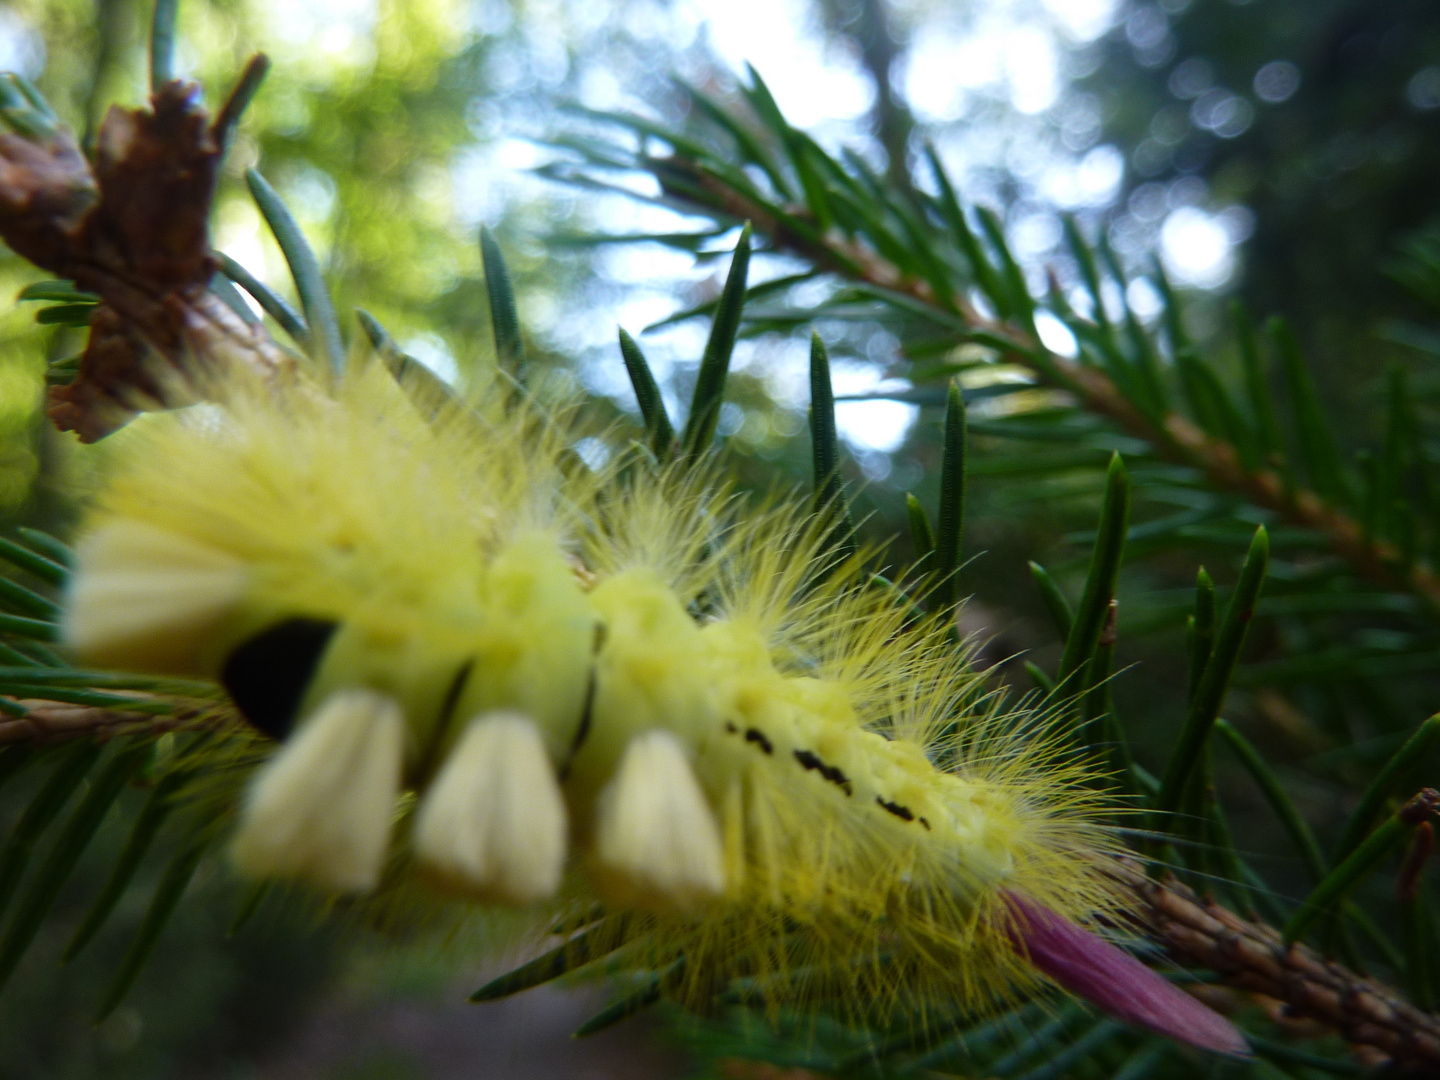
[452, 695]
[810, 760]
[266, 676]
[757, 736]
[925, 823]
[904, 813]
[447, 710]
[731, 729]
[583, 731]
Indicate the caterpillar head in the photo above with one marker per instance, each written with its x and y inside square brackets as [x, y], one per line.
[365, 699]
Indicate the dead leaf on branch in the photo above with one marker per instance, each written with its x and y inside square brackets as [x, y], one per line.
[133, 228]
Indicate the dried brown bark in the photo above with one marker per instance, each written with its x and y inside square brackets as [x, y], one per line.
[131, 226]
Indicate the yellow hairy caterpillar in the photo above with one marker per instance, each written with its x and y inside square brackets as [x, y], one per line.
[612, 697]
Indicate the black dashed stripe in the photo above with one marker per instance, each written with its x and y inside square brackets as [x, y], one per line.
[757, 736]
[904, 813]
[811, 761]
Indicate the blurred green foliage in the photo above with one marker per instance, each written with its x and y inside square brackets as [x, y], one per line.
[208, 1000]
[1320, 117]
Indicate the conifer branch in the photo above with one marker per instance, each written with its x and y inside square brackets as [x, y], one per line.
[1248, 955]
[1296, 984]
[49, 722]
[1174, 436]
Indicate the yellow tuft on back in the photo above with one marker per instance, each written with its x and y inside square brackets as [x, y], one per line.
[349, 504]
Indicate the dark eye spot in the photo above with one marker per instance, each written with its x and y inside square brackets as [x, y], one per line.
[266, 676]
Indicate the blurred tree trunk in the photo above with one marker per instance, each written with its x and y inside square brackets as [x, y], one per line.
[868, 24]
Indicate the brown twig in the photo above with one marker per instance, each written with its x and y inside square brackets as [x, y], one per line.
[48, 722]
[1375, 1019]
[1175, 437]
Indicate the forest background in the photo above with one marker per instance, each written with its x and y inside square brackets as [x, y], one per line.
[1279, 153]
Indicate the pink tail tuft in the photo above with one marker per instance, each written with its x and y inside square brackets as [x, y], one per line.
[1113, 980]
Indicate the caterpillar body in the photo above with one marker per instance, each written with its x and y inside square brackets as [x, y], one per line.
[533, 684]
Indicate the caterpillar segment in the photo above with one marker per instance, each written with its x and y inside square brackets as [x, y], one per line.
[535, 686]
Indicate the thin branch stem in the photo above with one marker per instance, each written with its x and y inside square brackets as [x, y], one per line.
[1174, 436]
[48, 722]
[1251, 956]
